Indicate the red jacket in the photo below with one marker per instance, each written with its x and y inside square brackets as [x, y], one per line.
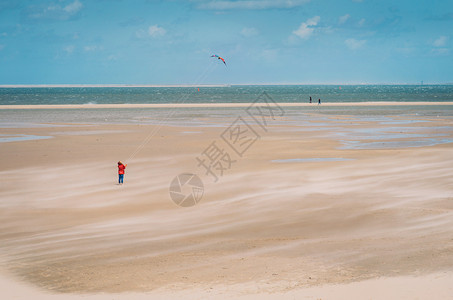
[121, 169]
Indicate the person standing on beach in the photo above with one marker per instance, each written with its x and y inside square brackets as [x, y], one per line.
[121, 168]
[310, 99]
[319, 101]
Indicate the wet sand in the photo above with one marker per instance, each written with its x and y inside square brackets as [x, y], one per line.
[339, 205]
[218, 105]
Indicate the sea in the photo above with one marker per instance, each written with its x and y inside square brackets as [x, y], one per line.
[224, 94]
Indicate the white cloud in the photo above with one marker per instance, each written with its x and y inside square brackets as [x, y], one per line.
[69, 49]
[249, 4]
[406, 50]
[156, 31]
[343, 19]
[440, 44]
[306, 29]
[269, 54]
[361, 22]
[441, 51]
[249, 31]
[354, 44]
[141, 33]
[112, 57]
[55, 11]
[441, 41]
[73, 7]
[92, 48]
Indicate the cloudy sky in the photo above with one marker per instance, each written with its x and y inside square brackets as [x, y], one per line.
[268, 41]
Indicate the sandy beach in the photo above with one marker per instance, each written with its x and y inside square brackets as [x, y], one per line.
[314, 204]
[218, 105]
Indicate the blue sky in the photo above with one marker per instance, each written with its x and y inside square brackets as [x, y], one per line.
[279, 41]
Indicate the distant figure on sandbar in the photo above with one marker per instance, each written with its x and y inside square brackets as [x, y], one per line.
[319, 101]
[121, 168]
[310, 99]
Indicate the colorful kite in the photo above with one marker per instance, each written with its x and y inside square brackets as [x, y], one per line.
[218, 57]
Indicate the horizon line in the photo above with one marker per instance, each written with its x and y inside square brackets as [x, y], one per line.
[201, 85]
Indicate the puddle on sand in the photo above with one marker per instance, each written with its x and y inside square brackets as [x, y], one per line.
[5, 138]
[348, 145]
[393, 137]
[33, 125]
[92, 132]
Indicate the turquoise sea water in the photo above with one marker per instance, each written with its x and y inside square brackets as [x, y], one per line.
[226, 94]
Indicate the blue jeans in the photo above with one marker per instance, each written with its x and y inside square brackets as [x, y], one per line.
[120, 178]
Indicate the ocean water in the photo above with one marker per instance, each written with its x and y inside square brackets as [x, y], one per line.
[224, 94]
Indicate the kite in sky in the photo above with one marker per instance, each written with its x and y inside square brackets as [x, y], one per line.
[218, 57]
